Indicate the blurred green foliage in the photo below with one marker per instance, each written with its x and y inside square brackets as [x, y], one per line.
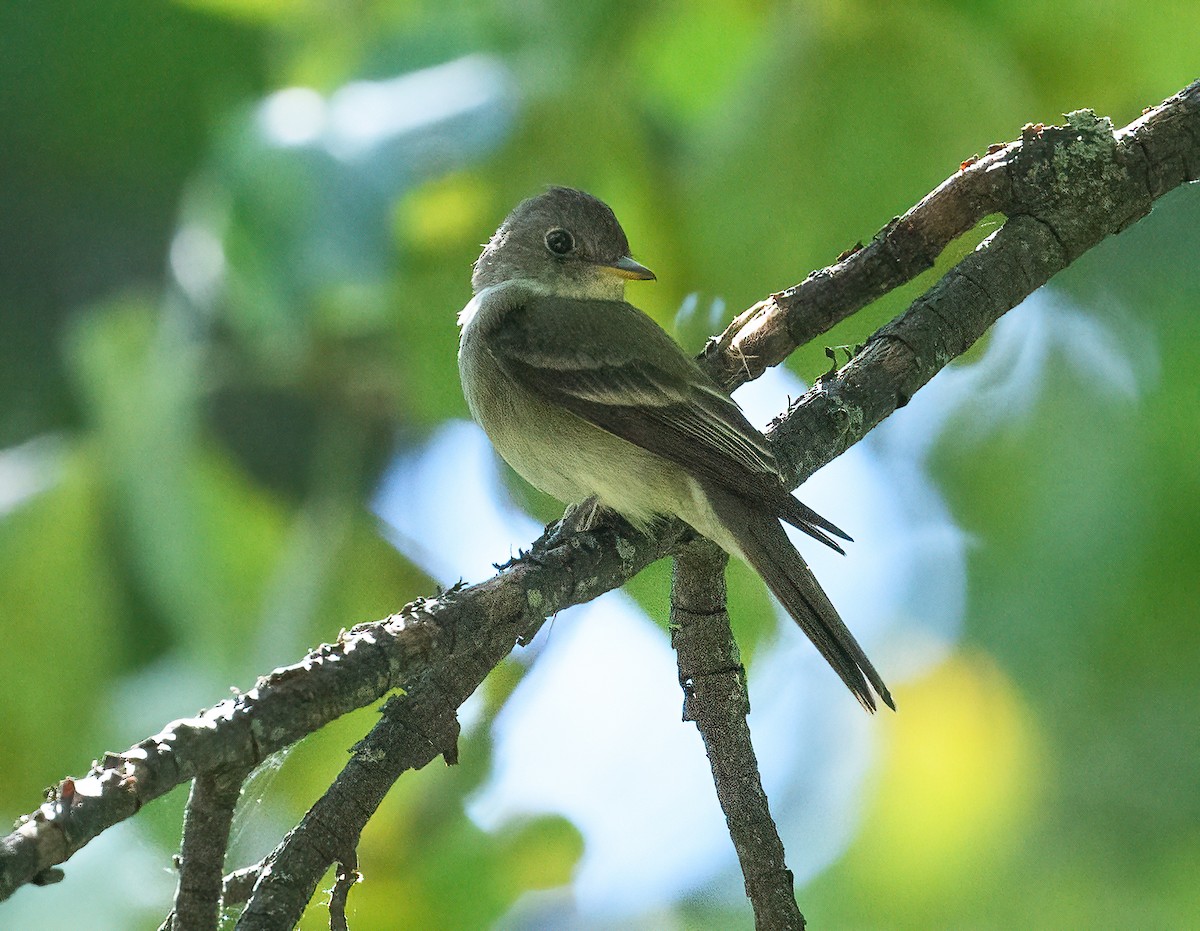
[197, 477]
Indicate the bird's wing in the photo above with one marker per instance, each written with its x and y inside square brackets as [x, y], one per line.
[632, 380]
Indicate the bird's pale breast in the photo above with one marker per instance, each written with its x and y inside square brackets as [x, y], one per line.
[558, 452]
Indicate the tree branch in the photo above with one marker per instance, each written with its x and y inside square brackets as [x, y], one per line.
[347, 876]
[1040, 183]
[1063, 190]
[411, 731]
[1041, 175]
[206, 824]
[714, 686]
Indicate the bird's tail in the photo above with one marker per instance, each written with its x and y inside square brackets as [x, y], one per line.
[802, 517]
[763, 543]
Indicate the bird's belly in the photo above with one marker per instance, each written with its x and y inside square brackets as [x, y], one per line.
[564, 455]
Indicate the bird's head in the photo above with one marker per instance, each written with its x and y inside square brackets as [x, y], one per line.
[564, 242]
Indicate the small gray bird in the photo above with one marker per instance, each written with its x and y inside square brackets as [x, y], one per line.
[588, 398]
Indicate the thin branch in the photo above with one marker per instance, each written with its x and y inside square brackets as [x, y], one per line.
[715, 698]
[206, 826]
[237, 886]
[768, 332]
[1047, 228]
[1058, 205]
[347, 876]
[456, 638]
[1065, 189]
[411, 731]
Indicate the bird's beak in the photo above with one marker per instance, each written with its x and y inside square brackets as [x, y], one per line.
[626, 267]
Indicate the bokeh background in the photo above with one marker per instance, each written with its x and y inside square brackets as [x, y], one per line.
[234, 235]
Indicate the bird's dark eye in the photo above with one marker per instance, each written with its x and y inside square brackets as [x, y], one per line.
[560, 241]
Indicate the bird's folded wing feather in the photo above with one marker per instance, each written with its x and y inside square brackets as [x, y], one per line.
[634, 381]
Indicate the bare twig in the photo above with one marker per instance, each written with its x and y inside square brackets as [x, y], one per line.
[237, 886]
[1156, 153]
[411, 731]
[347, 876]
[454, 639]
[715, 698]
[206, 825]
[1043, 183]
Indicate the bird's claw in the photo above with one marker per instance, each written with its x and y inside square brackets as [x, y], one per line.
[522, 556]
[581, 517]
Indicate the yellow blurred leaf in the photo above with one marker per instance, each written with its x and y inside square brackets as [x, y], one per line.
[955, 784]
[444, 211]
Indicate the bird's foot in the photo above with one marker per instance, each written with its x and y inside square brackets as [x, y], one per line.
[522, 556]
[581, 517]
